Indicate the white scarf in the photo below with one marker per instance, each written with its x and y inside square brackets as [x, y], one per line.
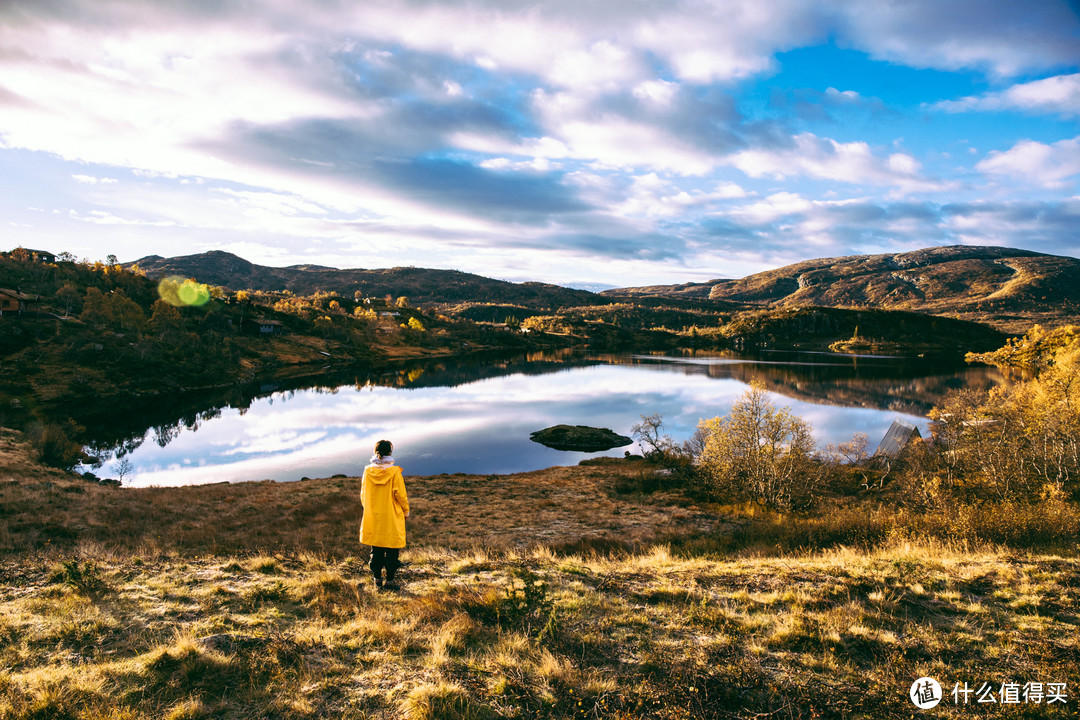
[382, 461]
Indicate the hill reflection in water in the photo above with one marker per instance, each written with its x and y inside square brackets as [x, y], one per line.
[909, 385]
[475, 415]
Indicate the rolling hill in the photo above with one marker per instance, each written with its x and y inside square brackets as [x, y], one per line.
[420, 285]
[1007, 288]
[1001, 286]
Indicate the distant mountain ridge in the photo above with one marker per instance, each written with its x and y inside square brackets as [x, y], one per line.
[420, 285]
[992, 282]
[1005, 287]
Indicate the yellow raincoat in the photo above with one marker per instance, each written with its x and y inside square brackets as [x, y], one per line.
[382, 495]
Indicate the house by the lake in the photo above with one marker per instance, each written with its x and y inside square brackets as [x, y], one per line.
[900, 436]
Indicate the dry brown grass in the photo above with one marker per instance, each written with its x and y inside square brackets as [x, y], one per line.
[554, 506]
[651, 635]
[105, 613]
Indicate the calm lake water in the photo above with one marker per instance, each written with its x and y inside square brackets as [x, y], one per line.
[475, 416]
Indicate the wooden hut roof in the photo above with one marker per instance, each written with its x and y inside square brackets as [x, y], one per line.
[896, 439]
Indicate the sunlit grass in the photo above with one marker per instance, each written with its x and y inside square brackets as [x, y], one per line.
[644, 635]
[825, 615]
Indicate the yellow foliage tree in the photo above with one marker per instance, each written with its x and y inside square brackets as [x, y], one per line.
[1016, 441]
[759, 453]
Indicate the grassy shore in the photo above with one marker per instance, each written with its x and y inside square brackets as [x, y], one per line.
[557, 594]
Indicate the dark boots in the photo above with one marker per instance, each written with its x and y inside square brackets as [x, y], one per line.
[385, 558]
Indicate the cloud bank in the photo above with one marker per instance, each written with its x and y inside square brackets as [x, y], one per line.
[564, 141]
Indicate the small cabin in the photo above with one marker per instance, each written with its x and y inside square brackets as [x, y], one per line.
[263, 326]
[900, 436]
[13, 301]
[43, 256]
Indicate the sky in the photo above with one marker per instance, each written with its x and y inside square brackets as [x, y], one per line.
[593, 144]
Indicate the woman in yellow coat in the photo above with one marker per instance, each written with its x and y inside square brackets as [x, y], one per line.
[382, 495]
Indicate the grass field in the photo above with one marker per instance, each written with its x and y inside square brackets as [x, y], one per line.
[558, 594]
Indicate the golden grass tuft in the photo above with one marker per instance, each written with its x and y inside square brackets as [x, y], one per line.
[189, 709]
[453, 637]
[265, 565]
[442, 701]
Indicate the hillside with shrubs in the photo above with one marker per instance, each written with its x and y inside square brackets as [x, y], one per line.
[95, 336]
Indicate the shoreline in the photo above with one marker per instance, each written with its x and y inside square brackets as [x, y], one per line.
[560, 505]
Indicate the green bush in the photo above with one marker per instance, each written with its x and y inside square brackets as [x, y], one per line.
[85, 578]
[53, 446]
[524, 605]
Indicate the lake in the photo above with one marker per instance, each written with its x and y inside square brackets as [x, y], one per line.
[474, 415]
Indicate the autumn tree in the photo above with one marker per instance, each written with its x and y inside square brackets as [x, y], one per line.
[111, 310]
[96, 311]
[759, 453]
[1016, 441]
[165, 320]
[126, 313]
[68, 297]
[367, 315]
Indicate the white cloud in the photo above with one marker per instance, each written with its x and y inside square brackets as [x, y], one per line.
[617, 142]
[91, 180]
[842, 96]
[1004, 36]
[145, 99]
[852, 162]
[653, 196]
[1048, 165]
[776, 206]
[602, 65]
[581, 45]
[1054, 95]
[1046, 227]
[101, 217]
[538, 164]
[274, 204]
[577, 130]
[659, 92]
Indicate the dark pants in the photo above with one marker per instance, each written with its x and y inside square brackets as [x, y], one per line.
[384, 558]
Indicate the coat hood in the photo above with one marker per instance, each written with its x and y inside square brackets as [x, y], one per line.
[381, 474]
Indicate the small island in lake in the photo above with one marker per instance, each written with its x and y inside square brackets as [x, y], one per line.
[580, 438]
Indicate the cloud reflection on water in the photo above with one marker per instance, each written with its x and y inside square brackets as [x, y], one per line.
[481, 426]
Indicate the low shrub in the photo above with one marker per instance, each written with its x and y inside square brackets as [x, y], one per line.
[85, 578]
[53, 445]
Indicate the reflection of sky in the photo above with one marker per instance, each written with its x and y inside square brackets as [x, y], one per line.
[477, 427]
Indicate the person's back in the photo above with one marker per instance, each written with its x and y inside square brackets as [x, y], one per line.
[386, 505]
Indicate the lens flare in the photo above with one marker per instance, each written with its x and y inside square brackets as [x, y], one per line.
[183, 292]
